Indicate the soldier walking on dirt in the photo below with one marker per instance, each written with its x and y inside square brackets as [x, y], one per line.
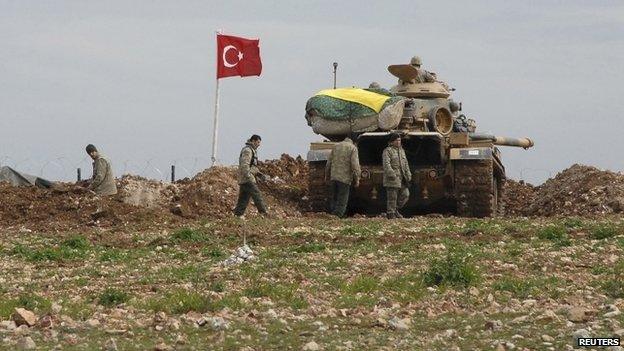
[343, 168]
[397, 176]
[247, 173]
[103, 181]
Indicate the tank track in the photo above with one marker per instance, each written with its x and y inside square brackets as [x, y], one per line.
[318, 189]
[478, 190]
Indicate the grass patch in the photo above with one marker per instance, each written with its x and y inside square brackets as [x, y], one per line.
[362, 284]
[62, 253]
[524, 288]
[28, 301]
[555, 233]
[604, 231]
[180, 301]
[360, 230]
[309, 248]
[112, 297]
[189, 235]
[278, 293]
[456, 269]
[614, 287]
[214, 253]
[77, 242]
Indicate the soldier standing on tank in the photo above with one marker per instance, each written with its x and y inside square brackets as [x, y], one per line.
[343, 168]
[397, 176]
[423, 75]
[247, 173]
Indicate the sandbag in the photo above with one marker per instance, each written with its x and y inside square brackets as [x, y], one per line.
[331, 116]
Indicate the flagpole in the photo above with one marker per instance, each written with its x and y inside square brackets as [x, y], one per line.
[215, 126]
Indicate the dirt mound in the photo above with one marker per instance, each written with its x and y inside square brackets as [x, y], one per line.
[287, 178]
[517, 196]
[579, 190]
[213, 192]
[69, 206]
[139, 191]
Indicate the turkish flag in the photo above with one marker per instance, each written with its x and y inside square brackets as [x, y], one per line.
[237, 56]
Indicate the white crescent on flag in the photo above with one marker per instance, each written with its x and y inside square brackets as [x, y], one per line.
[225, 61]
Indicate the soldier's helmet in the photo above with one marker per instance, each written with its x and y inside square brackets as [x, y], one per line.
[374, 85]
[416, 61]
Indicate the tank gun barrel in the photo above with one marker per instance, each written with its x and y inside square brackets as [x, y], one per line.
[498, 140]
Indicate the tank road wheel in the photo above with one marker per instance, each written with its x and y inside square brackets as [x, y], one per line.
[318, 189]
[477, 190]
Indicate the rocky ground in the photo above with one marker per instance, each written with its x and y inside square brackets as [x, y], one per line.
[317, 284]
[160, 267]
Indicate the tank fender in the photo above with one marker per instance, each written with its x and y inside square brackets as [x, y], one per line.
[318, 155]
[471, 153]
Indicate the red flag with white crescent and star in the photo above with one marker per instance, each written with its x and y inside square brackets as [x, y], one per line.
[237, 56]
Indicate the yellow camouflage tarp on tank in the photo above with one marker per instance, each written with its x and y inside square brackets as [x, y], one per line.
[360, 96]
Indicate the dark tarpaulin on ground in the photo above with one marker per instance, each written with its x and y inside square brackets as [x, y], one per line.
[8, 174]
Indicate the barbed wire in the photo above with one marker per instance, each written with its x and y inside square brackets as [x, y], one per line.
[64, 169]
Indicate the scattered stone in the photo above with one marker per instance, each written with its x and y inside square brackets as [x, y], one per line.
[23, 316]
[577, 314]
[242, 254]
[494, 325]
[218, 323]
[580, 333]
[271, 313]
[56, 308]
[92, 323]
[311, 346]
[26, 343]
[111, 345]
[202, 321]
[398, 324]
[8, 325]
[548, 338]
[45, 322]
[162, 347]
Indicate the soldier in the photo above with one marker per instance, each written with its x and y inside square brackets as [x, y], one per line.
[343, 168]
[247, 173]
[397, 176]
[103, 181]
[374, 85]
[423, 75]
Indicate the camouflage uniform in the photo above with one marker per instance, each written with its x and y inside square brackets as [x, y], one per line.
[103, 182]
[343, 166]
[396, 180]
[247, 172]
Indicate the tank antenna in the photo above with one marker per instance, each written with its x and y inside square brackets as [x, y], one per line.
[335, 67]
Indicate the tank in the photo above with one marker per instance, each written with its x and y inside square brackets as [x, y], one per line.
[454, 168]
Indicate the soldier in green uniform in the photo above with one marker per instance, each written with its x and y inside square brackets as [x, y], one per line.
[247, 173]
[397, 176]
[343, 168]
[103, 181]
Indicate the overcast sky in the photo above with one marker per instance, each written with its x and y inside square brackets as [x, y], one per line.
[137, 78]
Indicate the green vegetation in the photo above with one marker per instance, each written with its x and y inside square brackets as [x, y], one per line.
[112, 297]
[555, 233]
[28, 301]
[604, 231]
[189, 235]
[456, 269]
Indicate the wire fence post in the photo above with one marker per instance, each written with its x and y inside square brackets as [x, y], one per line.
[78, 175]
[172, 173]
